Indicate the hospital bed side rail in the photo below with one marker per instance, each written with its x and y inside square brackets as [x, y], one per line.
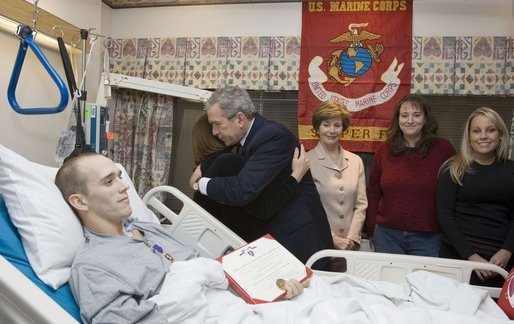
[21, 301]
[394, 267]
[193, 225]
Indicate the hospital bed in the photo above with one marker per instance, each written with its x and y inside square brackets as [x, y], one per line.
[23, 301]
[195, 226]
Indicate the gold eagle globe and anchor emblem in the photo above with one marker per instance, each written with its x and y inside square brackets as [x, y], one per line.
[346, 65]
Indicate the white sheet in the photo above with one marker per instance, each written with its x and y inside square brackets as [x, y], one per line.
[196, 292]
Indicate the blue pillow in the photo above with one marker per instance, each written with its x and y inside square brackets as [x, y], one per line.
[11, 248]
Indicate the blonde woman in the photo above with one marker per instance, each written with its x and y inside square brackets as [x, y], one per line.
[475, 197]
[338, 175]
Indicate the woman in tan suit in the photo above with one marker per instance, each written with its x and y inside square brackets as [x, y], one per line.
[339, 176]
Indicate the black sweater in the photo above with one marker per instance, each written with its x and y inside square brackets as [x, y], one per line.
[479, 216]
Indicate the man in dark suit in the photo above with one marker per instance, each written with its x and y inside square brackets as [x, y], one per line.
[301, 225]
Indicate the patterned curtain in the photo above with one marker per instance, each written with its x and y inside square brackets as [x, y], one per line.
[142, 125]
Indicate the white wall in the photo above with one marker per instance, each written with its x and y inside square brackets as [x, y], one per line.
[265, 19]
[430, 18]
[106, 20]
[463, 18]
[35, 136]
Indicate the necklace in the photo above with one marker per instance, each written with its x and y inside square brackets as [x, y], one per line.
[156, 248]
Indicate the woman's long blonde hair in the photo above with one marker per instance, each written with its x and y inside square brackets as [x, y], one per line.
[460, 163]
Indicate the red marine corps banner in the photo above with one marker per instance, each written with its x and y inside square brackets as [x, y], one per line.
[357, 53]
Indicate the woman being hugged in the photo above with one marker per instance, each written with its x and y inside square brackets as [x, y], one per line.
[217, 160]
[338, 175]
[401, 215]
[475, 196]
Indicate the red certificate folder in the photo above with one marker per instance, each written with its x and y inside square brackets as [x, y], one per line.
[254, 270]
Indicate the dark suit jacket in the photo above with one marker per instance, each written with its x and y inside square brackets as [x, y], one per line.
[301, 225]
[243, 220]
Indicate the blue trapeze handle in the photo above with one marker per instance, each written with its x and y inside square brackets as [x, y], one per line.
[11, 95]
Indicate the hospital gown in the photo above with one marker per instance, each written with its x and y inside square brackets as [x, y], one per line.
[113, 277]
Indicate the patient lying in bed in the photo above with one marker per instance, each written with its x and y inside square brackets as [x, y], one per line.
[123, 263]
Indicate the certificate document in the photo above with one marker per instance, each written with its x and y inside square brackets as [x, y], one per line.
[258, 270]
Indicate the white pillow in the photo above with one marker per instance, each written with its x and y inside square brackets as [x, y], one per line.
[50, 231]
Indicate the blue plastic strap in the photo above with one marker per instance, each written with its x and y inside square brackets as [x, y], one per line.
[28, 41]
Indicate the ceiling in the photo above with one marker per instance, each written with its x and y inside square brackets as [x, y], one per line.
[120, 4]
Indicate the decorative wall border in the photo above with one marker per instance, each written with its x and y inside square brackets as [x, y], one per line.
[440, 65]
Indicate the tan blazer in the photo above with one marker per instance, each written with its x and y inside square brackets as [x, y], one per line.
[342, 189]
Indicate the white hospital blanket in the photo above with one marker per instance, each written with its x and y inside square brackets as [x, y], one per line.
[195, 291]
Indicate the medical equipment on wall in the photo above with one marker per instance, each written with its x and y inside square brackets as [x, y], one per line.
[96, 122]
[91, 123]
[96, 127]
[96, 117]
[75, 130]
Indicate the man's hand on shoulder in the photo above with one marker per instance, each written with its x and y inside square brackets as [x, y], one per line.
[299, 164]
